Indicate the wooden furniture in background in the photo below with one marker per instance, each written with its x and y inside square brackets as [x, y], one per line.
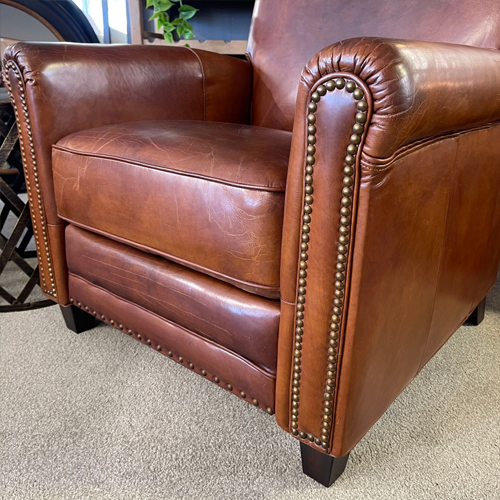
[13, 244]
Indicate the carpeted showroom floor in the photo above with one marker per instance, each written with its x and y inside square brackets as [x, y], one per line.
[100, 416]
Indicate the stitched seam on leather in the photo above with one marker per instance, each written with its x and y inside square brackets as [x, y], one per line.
[203, 77]
[286, 302]
[169, 170]
[418, 145]
[192, 265]
[441, 255]
[194, 334]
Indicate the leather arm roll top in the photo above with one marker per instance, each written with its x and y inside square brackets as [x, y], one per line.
[60, 89]
[419, 89]
[392, 169]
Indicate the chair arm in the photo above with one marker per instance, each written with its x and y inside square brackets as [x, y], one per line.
[61, 88]
[393, 167]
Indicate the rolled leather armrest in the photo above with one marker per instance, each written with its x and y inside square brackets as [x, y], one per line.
[392, 168]
[61, 88]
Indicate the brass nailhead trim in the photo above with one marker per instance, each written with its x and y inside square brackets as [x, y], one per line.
[37, 217]
[342, 251]
[203, 372]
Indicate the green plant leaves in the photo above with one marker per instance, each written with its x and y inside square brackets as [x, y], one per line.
[187, 12]
[179, 24]
[162, 5]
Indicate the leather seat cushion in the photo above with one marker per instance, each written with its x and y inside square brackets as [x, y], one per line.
[205, 194]
[237, 320]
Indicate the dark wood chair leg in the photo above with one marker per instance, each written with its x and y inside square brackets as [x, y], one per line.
[477, 315]
[77, 320]
[322, 468]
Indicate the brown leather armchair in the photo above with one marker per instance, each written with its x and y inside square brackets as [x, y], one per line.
[313, 272]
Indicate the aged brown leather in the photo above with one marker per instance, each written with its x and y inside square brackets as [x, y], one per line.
[209, 359]
[215, 193]
[204, 305]
[285, 34]
[72, 87]
[413, 277]
[404, 134]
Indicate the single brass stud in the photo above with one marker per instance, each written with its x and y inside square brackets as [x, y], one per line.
[181, 359]
[350, 86]
[340, 83]
[357, 128]
[350, 159]
[362, 105]
[312, 107]
[204, 372]
[358, 94]
[360, 117]
[139, 337]
[255, 402]
[243, 394]
[191, 366]
[158, 347]
[315, 97]
[355, 139]
[216, 379]
[352, 149]
[269, 410]
[230, 387]
[321, 90]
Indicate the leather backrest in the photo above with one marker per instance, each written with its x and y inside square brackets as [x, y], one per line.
[286, 34]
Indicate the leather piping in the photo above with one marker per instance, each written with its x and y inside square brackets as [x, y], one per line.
[197, 267]
[379, 164]
[205, 339]
[270, 189]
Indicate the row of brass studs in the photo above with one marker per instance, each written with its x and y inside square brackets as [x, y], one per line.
[34, 218]
[170, 354]
[342, 249]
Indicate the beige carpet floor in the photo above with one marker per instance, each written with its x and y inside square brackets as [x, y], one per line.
[100, 416]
